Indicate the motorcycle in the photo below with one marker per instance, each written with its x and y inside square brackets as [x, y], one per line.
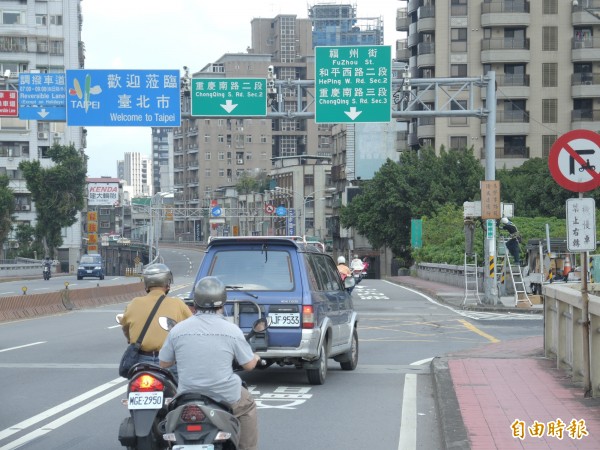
[196, 421]
[161, 419]
[46, 272]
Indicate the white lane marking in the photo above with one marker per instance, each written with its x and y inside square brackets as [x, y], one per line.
[22, 346]
[65, 419]
[422, 361]
[475, 315]
[114, 326]
[56, 409]
[7, 292]
[408, 422]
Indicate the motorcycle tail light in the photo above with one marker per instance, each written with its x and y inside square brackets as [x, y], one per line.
[194, 428]
[192, 413]
[308, 317]
[146, 383]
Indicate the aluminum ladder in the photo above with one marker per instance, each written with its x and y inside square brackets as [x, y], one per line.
[516, 276]
[471, 282]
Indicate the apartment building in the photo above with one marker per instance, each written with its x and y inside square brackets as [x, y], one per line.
[38, 37]
[136, 170]
[544, 54]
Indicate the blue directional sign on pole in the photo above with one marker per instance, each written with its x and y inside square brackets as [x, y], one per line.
[229, 97]
[43, 96]
[148, 98]
[353, 84]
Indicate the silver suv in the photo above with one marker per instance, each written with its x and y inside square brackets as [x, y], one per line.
[299, 289]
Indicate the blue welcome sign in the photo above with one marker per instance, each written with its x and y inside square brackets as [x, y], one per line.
[148, 98]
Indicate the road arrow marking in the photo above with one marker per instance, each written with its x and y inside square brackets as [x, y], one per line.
[43, 113]
[353, 113]
[229, 106]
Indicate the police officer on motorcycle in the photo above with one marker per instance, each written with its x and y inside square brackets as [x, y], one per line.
[204, 348]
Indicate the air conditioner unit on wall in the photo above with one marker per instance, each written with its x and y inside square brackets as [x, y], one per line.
[42, 135]
[25, 207]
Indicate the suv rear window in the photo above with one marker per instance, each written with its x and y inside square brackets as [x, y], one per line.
[254, 269]
[91, 260]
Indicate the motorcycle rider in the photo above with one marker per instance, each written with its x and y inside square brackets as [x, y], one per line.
[344, 270]
[204, 349]
[47, 263]
[357, 266]
[157, 282]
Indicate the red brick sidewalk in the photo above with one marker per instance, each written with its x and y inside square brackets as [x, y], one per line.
[508, 389]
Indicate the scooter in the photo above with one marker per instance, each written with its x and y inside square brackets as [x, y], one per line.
[46, 272]
[149, 391]
[195, 421]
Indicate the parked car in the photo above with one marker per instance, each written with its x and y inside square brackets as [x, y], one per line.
[123, 241]
[90, 266]
[298, 288]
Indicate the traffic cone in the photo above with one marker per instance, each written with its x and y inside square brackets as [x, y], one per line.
[566, 266]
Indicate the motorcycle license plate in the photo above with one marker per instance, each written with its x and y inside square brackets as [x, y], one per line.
[285, 319]
[194, 447]
[145, 400]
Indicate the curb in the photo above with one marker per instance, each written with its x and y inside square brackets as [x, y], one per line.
[453, 432]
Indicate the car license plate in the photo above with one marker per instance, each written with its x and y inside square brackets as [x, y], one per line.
[194, 447]
[145, 400]
[88, 271]
[284, 319]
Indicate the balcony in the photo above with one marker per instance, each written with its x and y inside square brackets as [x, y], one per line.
[585, 118]
[505, 14]
[511, 86]
[402, 51]
[425, 127]
[585, 85]
[412, 6]
[505, 50]
[585, 49]
[509, 123]
[413, 36]
[584, 13]
[402, 20]
[509, 152]
[426, 21]
[426, 54]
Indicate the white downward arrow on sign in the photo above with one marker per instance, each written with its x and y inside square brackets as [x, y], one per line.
[228, 106]
[43, 113]
[353, 113]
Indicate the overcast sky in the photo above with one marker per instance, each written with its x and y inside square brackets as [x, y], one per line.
[136, 34]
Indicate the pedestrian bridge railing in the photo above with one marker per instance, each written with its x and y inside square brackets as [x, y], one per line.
[565, 331]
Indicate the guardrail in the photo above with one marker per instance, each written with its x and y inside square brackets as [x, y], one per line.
[565, 333]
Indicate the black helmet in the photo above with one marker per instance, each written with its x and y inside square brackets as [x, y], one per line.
[210, 293]
[157, 275]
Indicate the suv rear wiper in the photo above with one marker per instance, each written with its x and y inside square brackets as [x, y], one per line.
[238, 289]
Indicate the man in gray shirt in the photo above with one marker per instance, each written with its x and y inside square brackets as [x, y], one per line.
[204, 347]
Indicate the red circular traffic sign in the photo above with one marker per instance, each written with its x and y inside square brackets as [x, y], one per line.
[269, 209]
[574, 160]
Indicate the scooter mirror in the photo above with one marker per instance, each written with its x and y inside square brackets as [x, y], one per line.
[349, 282]
[166, 323]
[118, 318]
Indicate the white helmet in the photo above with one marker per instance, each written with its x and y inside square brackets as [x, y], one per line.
[341, 260]
[504, 220]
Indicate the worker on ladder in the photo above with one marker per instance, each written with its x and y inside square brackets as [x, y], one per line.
[514, 238]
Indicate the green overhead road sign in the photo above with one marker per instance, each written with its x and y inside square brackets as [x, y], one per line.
[353, 84]
[229, 97]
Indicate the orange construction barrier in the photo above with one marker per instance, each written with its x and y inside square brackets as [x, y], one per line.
[567, 266]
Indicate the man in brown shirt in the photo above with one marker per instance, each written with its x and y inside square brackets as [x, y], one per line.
[157, 281]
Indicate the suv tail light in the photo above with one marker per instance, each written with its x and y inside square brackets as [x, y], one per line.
[146, 383]
[308, 317]
[192, 414]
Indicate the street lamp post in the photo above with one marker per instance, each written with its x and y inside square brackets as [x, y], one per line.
[153, 236]
[311, 195]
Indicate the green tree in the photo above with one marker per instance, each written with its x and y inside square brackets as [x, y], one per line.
[248, 184]
[7, 208]
[417, 186]
[58, 192]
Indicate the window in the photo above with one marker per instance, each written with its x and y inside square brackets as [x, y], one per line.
[549, 38]
[458, 142]
[458, 70]
[221, 173]
[221, 156]
[458, 39]
[309, 179]
[547, 141]
[12, 18]
[263, 139]
[458, 105]
[207, 156]
[41, 19]
[550, 7]
[207, 172]
[220, 138]
[549, 110]
[207, 138]
[248, 139]
[549, 74]
[57, 48]
[56, 20]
